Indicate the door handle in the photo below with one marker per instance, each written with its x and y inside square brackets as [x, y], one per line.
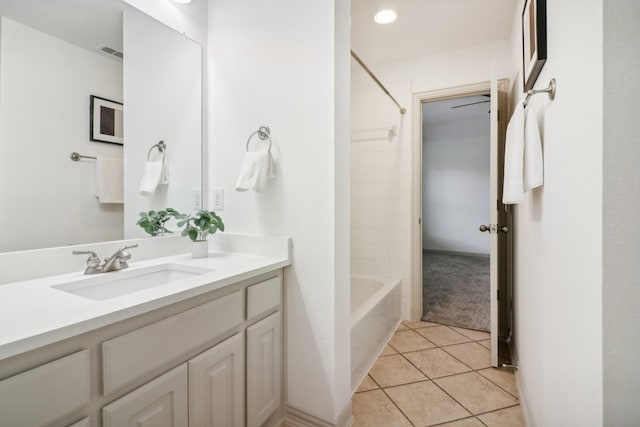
[494, 228]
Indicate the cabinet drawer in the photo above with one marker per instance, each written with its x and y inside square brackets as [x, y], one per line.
[46, 393]
[136, 354]
[263, 297]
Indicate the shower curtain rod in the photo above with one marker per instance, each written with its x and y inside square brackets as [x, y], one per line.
[375, 79]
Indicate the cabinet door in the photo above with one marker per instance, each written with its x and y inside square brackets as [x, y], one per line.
[264, 369]
[159, 403]
[216, 385]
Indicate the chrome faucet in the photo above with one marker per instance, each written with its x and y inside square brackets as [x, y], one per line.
[118, 260]
[115, 262]
[93, 262]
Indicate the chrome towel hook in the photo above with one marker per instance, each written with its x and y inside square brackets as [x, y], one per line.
[263, 133]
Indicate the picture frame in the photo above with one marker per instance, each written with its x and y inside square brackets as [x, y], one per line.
[106, 120]
[534, 41]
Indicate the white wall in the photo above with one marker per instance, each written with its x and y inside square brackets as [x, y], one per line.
[380, 184]
[44, 116]
[286, 67]
[558, 229]
[447, 69]
[621, 270]
[455, 165]
[163, 99]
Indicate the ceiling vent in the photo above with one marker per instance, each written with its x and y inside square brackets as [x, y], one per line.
[110, 51]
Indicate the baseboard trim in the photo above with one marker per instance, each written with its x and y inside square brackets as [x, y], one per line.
[437, 251]
[295, 417]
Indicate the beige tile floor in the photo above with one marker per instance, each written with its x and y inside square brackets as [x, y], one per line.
[436, 375]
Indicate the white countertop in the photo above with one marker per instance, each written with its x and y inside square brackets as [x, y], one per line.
[33, 314]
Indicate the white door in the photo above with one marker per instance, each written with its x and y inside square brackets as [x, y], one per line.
[498, 227]
[264, 367]
[216, 385]
[159, 403]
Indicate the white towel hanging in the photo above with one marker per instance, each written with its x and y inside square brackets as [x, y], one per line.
[255, 171]
[156, 172]
[513, 186]
[533, 162]
[109, 173]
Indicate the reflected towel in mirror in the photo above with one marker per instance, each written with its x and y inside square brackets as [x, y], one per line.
[109, 180]
[156, 172]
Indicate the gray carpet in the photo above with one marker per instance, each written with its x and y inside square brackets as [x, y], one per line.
[456, 290]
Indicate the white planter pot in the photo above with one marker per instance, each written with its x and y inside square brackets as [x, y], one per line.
[200, 249]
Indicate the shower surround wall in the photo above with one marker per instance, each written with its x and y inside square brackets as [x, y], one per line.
[381, 184]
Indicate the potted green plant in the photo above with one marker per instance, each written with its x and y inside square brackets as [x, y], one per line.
[197, 227]
[153, 222]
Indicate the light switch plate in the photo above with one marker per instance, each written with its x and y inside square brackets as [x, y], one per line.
[197, 199]
[217, 199]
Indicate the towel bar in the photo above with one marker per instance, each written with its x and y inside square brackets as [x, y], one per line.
[263, 133]
[550, 90]
[77, 156]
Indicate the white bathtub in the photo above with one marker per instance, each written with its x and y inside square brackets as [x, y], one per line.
[375, 314]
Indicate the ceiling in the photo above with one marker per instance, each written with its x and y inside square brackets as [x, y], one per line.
[439, 111]
[85, 23]
[426, 27]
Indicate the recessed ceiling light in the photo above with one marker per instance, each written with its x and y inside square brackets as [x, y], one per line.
[385, 16]
[182, 1]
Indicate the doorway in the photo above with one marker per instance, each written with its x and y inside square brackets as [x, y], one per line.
[455, 190]
[497, 223]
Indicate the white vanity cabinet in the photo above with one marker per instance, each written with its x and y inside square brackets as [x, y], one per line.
[46, 393]
[216, 385]
[160, 403]
[214, 360]
[264, 369]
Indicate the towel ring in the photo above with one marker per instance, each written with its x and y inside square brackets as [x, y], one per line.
[263, 133]
[161, 146]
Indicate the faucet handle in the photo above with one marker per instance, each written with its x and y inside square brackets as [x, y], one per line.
[126, 255]
[93, 262]
[93, 257]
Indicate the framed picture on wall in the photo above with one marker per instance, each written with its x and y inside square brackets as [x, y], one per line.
[105, 120]
[534, 41]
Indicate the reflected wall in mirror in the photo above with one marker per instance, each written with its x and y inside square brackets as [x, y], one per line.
[51, 62]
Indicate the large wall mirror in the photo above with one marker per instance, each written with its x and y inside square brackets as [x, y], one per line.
[55, 55]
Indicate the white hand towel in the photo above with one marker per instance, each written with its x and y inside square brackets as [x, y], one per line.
[156, 172]
[151, 177]
[513, 188]
[256, 169]
[533, 164]
[109, 180]
[164, 175]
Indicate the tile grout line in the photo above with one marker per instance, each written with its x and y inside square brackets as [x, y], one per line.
[433, 380]
[443, 390]
[392, 401]
[472, 370]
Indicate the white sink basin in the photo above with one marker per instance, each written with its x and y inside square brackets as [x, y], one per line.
[118, 283]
